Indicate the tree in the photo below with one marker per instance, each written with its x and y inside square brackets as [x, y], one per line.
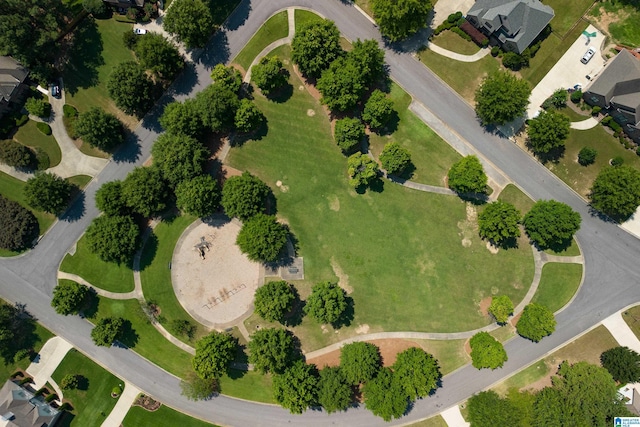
[273, 300]
[48, 192]
[199, 196]
[113, 238]
[486, 351]
[38, 107]
[362, 169]
[400, 19]
[370, 58]
[616, 191]
[18, 226]
[622, 363]
[196, 388]
[159, 55]
[487, 409]
[467, 176]
[179, 157]
[551, 224]
[385, 396]
[269, 75]
[359, 362]
[341, 85]
[69, 382]
[587, 156]
[107, 330]
[217, 105]
[182, 327]
[315, 46]
[262, 238]
[190, 21]
[348, 133]
[214, 352]
[501, 308]
[559, 98]
[99, 129]
[182, 118]
[536, 322]
[130, 88]
[244, 196]
[248, 117]
[417, 372]
[145, 191]
[378, 110]
[68, 297]
[501, 98]
[227, 77]
[499, 222]
[109, 199]
[334, 393]
[326, 303]
[548, 131]
[296, 389]
[16, 155]
[395, 159]
[95, 7]
[272, 350]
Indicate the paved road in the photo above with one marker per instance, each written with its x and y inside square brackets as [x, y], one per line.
[611, 255]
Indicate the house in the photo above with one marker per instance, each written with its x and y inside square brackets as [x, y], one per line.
[512, 23]
[631, 397]
[125, 4]
[20, 408]
[12, 88]
[617, 91]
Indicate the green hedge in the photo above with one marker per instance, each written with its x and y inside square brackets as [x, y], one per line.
[44, 128]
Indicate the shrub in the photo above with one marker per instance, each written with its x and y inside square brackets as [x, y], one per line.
[69, 382]
[617, 161]
[576, 96]
[454, 17]
[18, 226]
[38, 107]
[514, 62]
[394, 158]
[378, 110]
[16, 155]
[22, 354]
[596, 110]
[495, 51]
[116, 391]
[467, 176]
[348, 134]
[587, 156]
[129, 39]
[21, 119]
[70, 110]
[44, 128]
[559, 98]
[51, 398]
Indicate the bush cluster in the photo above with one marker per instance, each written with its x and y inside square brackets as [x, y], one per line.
[18, 226]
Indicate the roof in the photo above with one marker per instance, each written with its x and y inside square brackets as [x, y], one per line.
[126, 3]
[19, 408]
[11, 75]
[619, 82]
[518, 21]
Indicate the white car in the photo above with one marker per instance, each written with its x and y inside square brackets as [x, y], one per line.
[140, 31]
[588, 55]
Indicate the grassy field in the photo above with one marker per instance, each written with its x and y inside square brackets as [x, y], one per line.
[453, 42]
[430, 154]
[620, 19]
[567, 13]
[436, 421]
[558, 284]
[415, 273]
[40, 336]
[632, 317]
[92, 401]
[248, 385]
[303, 17]
[104, 275]
[163, 417]
[276, 27]
[30, 136]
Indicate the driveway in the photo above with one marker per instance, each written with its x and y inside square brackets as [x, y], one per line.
[569, 71]
[444, 8]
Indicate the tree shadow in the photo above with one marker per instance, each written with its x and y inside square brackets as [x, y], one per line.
[149, 251]
[129, 152]
[66, 419]
[295, 315]
[552, 156]
[476, 199]
[606, 218]
[506, 244]
[90, 306]
[22, 327]
[256, 135]
[347, 315]
[76, 210]
[281, 95]
[128, 336]
[407, 173]
[377, 185]
[239, 16]
[216, 52]
[85, 57]
[234, 374]
[83, 382]
[557, 246]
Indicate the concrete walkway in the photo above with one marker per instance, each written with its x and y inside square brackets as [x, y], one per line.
[126, 399]
[453, 417]
[585, 124]
[458, 56]
[47, 360]
[101, 292]
[632, 225]
[621, 331]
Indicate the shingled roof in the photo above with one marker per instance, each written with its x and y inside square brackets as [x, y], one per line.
[19, 408]
[12, 74]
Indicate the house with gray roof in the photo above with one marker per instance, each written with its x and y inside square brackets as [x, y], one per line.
[12, 89]
[20, 408]
[512, 23]
[617, 91]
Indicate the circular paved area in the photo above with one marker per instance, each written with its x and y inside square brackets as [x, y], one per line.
[218, 289]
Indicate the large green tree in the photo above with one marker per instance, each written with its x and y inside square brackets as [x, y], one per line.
[536, 322]
[262, 238]
[109, 199]
[48, 192]
[349, 133]
[245, 196]
[362, 169]
[214, 352]
[113, 238]
[107, 330]
[501, 98]
[159, 55]
[272, 350]
[99, 129]
[547, 132]
[217, 105]
[182, 118]
[487, 409]
[370, 57]
[227, 77]
[378, 110]
[417, 372]
[499, 223]
[315, 46]
[248, 117]
[551, 224]
[326, 303]
[334, 393]
[94, 7]
[179, 157]
[341, 85]
[486, 351]
[501, 308]
[385, 396]
[16, 155]
[199, 196]
[297, 388]
[395, 159]
[622, 363]
[273, 300]
[467, 176]
[190, 21]
[269, 75]
[145, 191]
[130, 88]
[616, 191]
[400, 19]
[68, 297]
[360, 362]
[18, 225]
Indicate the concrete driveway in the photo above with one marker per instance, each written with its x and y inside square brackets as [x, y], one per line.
[569, 71]
[444, 8]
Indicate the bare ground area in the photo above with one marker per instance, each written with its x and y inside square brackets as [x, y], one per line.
[389, 349]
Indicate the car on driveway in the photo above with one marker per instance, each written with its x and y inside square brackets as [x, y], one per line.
[588, 55]
[140, 31]
[55, 90]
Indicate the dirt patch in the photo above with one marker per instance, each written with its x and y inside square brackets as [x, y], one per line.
[540, 384]
[362, 329]
[514, 319]
[228, 171]
[282, 187]
[311, 112]
[493, 249]
[343, 280]
[389, 350]
[484, 305]
[334, 203]
[147, 403]
[469, 226]
[467, 346]
[607, 18]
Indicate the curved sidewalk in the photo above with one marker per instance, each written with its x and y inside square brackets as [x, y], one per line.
[458, 56]
[585, 124]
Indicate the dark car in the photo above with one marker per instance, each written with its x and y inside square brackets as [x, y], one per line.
[55, 90]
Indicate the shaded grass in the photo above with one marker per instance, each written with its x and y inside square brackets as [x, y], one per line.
[574, 116]
[414, 274]
[276, 27]
[80, 180]
[30, 136]
[632, 317]
[455, 43]
[449, 353]
[13, 189]
[248, 385]
[41, 336]
[430, 154]
[558, 284]
[567, 13]
[571, 250]
[163, 417]
[503, 333]
[436, 421]
[515, 196]
[303, 17]
[93, 404]
[104, 275]
[523, 378]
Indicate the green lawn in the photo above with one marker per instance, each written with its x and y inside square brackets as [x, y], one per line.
[276, 27]
[632, 317]
[622, 21]
[430, 154]
[30, 136]
[523, 378]
[163, 417]
[558, 284]
[455, 43]
[248, 385]
[80, 180]
[567, 13]
[436, 421]
[92, 402]
[450, 353]
[104, 275]
[303, 17]
[515, 196]
[402, 251]
[40, 336]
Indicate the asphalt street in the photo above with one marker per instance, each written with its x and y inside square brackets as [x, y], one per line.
[611, 255]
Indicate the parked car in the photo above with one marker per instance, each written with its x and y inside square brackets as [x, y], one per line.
[55, 90]
[588, 55]
[140, 31]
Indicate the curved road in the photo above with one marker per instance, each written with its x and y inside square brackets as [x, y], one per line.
[611, 255]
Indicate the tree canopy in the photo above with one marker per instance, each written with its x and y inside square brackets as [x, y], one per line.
[551, 224]
[68, 297]
[378, 110]
[536, 322]
[16, 155]
[349, 133]
[107, 330]
[273, 300]
[326, 303]
[501, 308]
[499, 222]
[18, 225]
[268, 74]
[248, 117]
[334, 393]
[501, 98]
[486, 351]
[48, 192]
[362, 169]
[385, 396]
[341, 85]
[616, 191]
[99, 129]
[359, 362]
[179, 157]
[467, 176]
[370, 57]
[217, 105]
[315, 46]
[487, 409]
[159, 55]
[400, 19]
[109, 199]
[145, 191]
[190, 21]
[214, 352]
[227, 77]
[547, 132]
[272, 350]
[622, 363]
[196, 388]
[113, 238]
[395, 159]
[130, 88]
[199, 196]
[417, 372]
[262, 238]
[296, 389]
[182, 118]
[245, 196]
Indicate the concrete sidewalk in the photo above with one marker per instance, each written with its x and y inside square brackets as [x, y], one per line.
[47, 360]
[122, 407]
[621, 331]
[453, 417]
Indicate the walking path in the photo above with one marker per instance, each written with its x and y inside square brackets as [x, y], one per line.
[458, 56]
[453, 417]
[99, 291]
[123, 405]
[47, 360]
[621, 331]
[585, 124]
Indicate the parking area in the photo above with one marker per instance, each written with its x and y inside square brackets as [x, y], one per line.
[569, 71]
